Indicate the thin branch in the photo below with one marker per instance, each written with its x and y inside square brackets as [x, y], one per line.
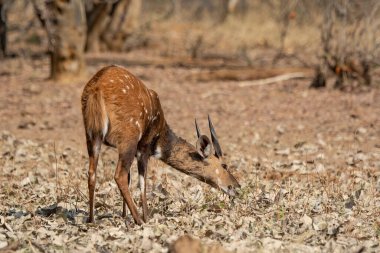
[275, 79]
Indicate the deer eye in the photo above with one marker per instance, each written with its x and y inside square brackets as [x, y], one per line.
[224, 166]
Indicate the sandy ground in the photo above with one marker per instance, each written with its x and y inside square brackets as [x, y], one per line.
[308, 162]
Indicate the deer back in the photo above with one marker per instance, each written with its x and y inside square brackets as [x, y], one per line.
[116, 104]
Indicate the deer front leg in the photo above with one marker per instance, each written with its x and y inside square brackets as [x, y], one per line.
[122, 179]
[142, 163]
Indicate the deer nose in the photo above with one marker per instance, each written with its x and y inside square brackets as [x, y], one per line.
[231, 191]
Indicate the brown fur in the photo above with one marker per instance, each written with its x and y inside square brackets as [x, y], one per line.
[121, 112]
[94, 112]
[93, 108]
[183, 156]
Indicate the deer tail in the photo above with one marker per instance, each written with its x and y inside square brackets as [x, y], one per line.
[94, 114]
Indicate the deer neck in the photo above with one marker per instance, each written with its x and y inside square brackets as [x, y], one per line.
[181, 155]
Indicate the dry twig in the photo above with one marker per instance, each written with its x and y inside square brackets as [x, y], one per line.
[275, 79]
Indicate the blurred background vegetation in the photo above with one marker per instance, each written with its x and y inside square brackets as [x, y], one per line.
[337, 38]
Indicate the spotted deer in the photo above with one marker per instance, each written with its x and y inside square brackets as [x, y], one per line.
[121, 112]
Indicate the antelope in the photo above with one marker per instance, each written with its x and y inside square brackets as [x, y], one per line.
[121, 112]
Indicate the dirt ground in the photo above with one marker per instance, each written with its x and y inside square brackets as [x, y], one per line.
[308, 162]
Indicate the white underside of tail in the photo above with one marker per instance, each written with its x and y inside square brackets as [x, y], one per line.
[105, 128]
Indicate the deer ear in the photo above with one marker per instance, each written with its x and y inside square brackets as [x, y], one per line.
[204, 146]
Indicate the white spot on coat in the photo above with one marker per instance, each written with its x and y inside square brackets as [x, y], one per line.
[111, 80]
[150, 103]
[217, 171]
[139, 127]
[124, 91]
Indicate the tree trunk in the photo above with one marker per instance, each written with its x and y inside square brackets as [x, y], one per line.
[116, 31]
[66, 28]
[110, 24]
[96, 21]
[3, 29]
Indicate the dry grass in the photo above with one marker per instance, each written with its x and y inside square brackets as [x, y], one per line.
[296, 206]
[257, 30]
[308, 161]
[310, 180]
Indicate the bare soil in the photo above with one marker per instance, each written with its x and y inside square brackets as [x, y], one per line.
[308, 162]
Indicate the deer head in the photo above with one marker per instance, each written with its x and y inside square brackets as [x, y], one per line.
[216, 170]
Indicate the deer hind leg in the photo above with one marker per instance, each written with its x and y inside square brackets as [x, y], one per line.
[124, 214]
[93, 148]
[122, 174]
[142, 163]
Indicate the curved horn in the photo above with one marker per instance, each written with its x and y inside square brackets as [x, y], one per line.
[214, 138]
[197, 128]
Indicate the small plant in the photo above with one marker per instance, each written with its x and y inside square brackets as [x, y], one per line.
[350, 45]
